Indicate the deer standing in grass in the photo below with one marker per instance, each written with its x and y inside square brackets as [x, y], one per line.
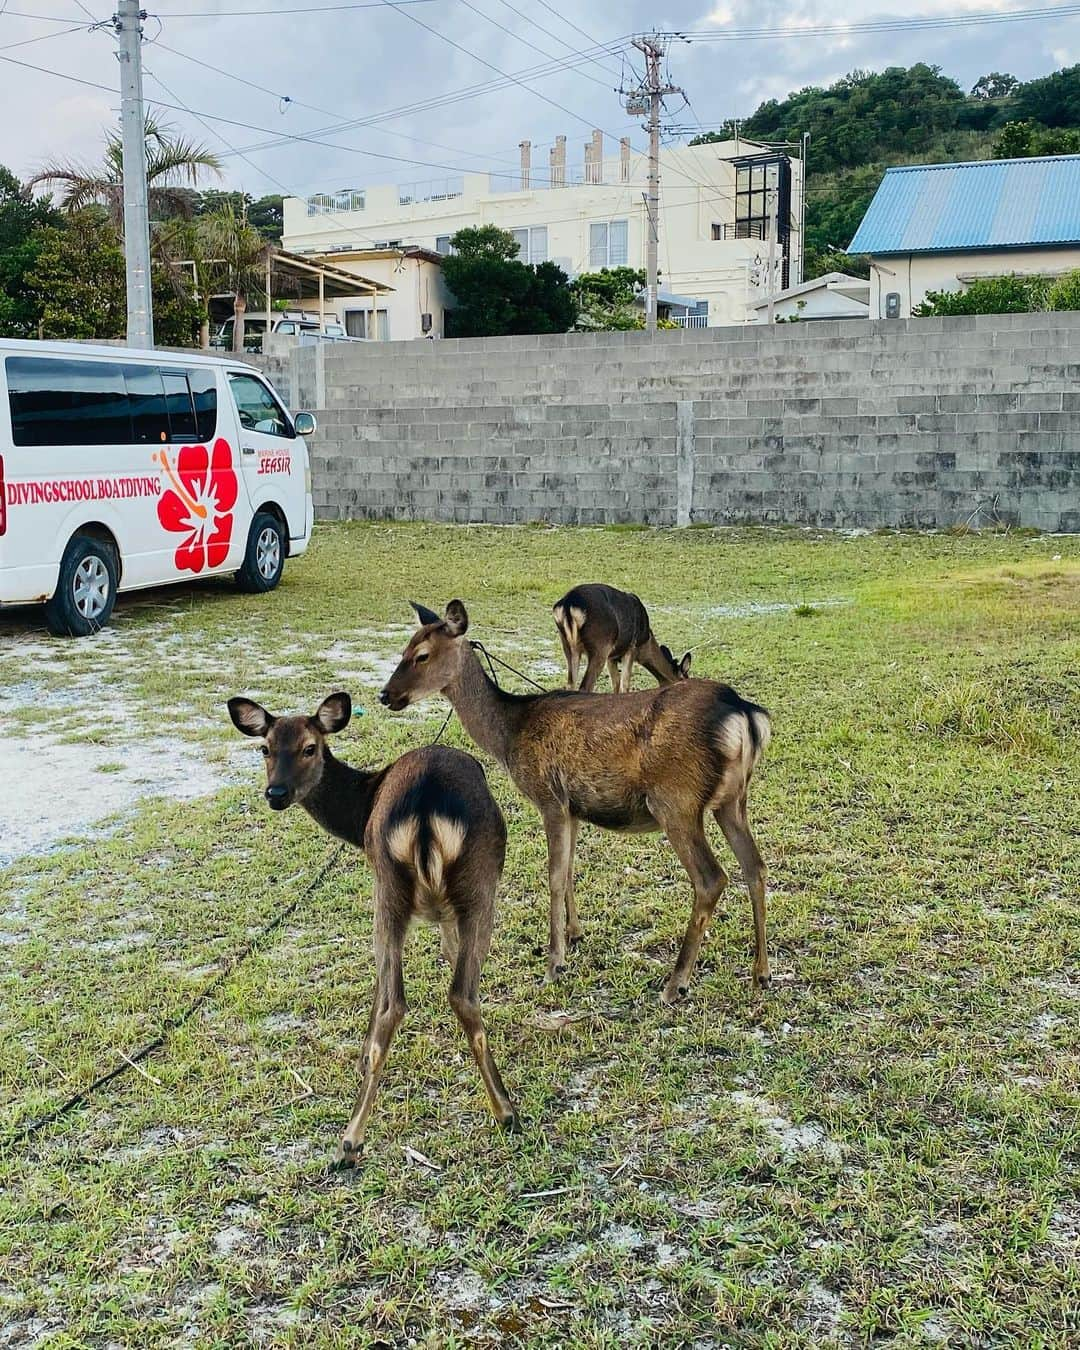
[605, 625]
[435, 839]
[655, 759]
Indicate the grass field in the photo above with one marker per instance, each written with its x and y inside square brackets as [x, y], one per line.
[881, 1149]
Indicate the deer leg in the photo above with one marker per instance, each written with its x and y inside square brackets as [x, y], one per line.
[573, 928]
[592, 672]
[613, 672]
[388, 1010]
[475, 938]
[557, 828]
[731, 818]
[448, 941]
[626, 671]
[571, 654]
[708, 879]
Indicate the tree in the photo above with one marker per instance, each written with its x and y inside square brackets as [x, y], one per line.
[21, 220]
[1065, 292]
[173, 168]
[1053, 101]
[1021, 140]
[495, 294]
[264, 214]
[78, 289]
[237, 254]
[1010, 294]
[994, 85]
[605, 299]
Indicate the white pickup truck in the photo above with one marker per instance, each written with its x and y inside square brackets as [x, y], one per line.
[288, 323]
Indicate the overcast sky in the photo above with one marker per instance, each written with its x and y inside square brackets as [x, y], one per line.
[356, 62]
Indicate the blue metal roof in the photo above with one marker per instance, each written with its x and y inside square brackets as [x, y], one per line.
[996, 203]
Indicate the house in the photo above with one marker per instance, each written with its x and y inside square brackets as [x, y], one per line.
[938, 227]
[414, 298]
[836, 295]
[716, 207]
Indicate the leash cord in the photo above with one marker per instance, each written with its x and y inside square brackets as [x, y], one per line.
[479, 646]
[181, 1018]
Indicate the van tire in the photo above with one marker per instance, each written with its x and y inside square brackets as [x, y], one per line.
[85, 590]
[264, 560]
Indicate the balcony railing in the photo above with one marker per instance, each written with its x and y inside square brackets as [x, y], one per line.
[691, 320]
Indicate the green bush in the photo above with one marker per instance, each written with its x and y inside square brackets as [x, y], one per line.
[1010, 294]
[1065, 292]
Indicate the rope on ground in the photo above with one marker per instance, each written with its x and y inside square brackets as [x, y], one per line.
[179, 1019]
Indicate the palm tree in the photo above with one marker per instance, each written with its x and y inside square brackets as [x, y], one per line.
[173, 167]
[236, 253]
[181, 246]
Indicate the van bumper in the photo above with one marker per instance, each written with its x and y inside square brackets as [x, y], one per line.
[28, 585]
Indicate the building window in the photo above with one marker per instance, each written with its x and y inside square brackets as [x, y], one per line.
[532, 244]
[358, 324]
[762, 192]
[443, 245]
[608, 244]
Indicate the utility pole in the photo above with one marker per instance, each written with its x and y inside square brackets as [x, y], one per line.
[773, 212]
[649, 97]
[127, 23]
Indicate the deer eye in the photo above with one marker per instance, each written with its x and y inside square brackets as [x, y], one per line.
[309, 750]
[266, 751]
[422, 656]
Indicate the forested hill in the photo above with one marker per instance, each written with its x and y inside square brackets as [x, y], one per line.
[866, 122]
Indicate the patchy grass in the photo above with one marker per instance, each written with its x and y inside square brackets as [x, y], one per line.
[882, 1149]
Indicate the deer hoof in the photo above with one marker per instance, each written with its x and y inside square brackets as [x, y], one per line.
[555, 972]
[348, 1154]
[673, 994]
[511, 1124]
[763, 982]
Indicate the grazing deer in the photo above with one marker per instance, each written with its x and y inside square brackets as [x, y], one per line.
[435, 840]
[603, 624]
[655, 759]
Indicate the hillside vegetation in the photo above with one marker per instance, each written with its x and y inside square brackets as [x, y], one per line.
[866, 122]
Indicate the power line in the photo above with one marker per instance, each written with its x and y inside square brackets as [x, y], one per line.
[273, 13]
[323, 112]
[944, 21]
[523, 40]
[44, 37]
[562, 41]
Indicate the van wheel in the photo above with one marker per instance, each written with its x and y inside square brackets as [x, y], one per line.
[265, 556]
[86, 590]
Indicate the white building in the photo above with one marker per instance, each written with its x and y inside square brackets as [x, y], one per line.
[938, 227]
[836, 295]
[716, 206]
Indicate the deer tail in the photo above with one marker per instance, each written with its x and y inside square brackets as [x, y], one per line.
[568, 619]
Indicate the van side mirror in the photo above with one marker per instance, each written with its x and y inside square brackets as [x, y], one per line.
[305, 424]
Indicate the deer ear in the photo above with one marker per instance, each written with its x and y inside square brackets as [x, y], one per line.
[666, 651]
[424, 614]
[334, 713]
[249, 718]
[456, 619]
[684, 666]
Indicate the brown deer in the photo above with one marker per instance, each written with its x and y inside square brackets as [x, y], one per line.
[603, 624]
[655, 759]
[435, 840]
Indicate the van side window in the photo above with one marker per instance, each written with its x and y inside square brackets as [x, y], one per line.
[179, 406]
[63, 402]
[203, 382]
[259, 410]
[146, 397]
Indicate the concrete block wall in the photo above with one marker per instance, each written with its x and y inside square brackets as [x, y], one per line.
[921, 422]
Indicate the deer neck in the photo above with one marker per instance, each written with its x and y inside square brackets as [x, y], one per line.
[342, 802]
[488, 714]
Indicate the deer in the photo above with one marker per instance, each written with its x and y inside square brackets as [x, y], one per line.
[435, 840]
[607, 625]
[650, 760]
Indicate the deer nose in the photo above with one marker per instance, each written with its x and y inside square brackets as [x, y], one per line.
[384, 698]
[278, 796]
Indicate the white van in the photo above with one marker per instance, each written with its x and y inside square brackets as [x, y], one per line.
[121, 469]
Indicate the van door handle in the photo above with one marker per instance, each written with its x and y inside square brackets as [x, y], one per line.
[247, 449]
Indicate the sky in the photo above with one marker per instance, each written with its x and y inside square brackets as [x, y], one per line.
[279, 75]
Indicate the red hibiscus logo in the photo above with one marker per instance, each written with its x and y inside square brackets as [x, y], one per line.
[198, 503]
